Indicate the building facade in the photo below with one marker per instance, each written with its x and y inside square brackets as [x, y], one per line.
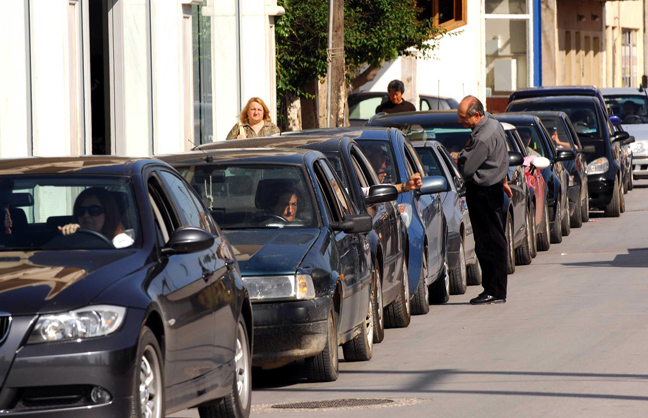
[130, 77]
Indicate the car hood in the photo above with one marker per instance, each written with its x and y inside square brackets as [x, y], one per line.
[263, 252]
[34, 282]
[639, 131]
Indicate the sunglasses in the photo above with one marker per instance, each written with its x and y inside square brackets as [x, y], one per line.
[93, 210]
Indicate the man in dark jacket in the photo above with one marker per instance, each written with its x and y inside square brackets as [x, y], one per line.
[396, 104]
[484, 165]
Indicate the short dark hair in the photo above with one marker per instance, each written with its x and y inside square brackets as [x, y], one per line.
[396, 85]
[474, 106]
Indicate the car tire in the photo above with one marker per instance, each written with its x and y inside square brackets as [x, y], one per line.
[556, 228]
[576, 220]
[544, 241]
[398, 313]
[630, 185]
[239, 401]
[360, 348]
[379, 320]
[566, 226]
[510, 245]
[585, 207]
[421, 299]
[324, 367]
[148, 399]
[533, 239]
[458, 274]
[622, 198]
[613, 209]
[523, 252]
[474, 274]
[440, 289]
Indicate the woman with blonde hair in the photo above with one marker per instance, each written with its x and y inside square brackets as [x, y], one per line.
[254, 122]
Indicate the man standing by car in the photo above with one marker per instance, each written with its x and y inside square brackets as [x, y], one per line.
[396, 104]
[484, 164]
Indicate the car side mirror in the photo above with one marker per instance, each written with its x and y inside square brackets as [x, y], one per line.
[433, 184]
[359, 223]
[188, 239]
[381, 193]
[515, 159]
[615, 120]
[541, 163]
[620, 136]
[628, 140]
[588, 149]
[564, 155]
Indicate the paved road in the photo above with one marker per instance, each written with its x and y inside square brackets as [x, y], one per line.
[571, 341]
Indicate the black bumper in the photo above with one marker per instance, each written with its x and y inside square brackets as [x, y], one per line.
[600, 191]
[289, 331]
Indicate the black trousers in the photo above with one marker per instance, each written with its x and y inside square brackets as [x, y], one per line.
[485, 210]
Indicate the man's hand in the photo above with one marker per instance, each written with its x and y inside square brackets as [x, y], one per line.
[454, 155]
[414, 182]
[507, 190]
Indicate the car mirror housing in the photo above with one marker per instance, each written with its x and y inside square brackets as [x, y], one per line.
[588, 149]
[620, 136]
[359, 223]
[515, 159]
[628, 140]
[541, 163]
[433, 184]
[615, 120]
[564, 155]
[381, 193]
[188, 239]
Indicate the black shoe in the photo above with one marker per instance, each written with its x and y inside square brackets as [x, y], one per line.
[484, 299]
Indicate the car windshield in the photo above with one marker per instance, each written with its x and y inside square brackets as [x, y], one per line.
[65, 213]
[381, 158]
[453, 136]
[430, 162]
[254, 196]
[631, 109]
[582, 114]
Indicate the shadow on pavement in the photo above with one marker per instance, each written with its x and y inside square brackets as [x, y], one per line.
[636, 258]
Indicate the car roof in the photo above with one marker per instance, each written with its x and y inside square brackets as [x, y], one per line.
[357, 132]
[87, 165]
[540, 113]
[543, 91]
[519, 117]
[239, 154]
[583, 99]
[611, 91]
[415, 118]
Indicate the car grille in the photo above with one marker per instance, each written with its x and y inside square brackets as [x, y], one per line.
[5, 322]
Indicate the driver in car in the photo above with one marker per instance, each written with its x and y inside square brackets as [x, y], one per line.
[95, 209]
[285, 205]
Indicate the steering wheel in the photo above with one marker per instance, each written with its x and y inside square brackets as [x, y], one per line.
[270, 218]
[95, 235]
[632, 119]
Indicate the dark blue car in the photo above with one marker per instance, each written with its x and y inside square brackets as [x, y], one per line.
[303, 250]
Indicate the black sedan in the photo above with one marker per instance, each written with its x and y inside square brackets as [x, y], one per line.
[119, 295]
[303, 250]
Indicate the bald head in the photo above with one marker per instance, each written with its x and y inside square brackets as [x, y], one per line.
[470, 112]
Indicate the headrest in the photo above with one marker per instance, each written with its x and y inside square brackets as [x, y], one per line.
[269, 191]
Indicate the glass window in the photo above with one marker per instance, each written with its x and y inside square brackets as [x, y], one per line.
[505, 7]
[253, 196]
[381, 158]
[429, 161]
[530, 138]
[632, 109]
[202, 76]
[453, 136]
[582, 114]
[450, 14]
[365, 108]
[628, 57]
[186, 203]
[340, 194]
[506, 54]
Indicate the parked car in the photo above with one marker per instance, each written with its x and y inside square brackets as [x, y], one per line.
[362, 105]
[388, 236]
[593, 127]
[626, 157]
[444, 127]
[634, 120]
[302, 247]
[140, 306]
[463, 265]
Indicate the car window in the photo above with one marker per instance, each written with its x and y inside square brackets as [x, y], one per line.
[186, 203]
[510, 140]
[556, 128]
[412, 158]
[582, 114]
[363, 164]
[424, 105]
[336, 162]
[364, 109]
[630, 108]
[453, 136]
[341, 197]
[430, 163]
[332, 209]
[518, 141]
[381, 158]
[241, 196]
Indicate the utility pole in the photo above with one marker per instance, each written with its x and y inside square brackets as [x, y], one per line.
[335, 78]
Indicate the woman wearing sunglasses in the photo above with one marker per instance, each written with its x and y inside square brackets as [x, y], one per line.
[95, 209]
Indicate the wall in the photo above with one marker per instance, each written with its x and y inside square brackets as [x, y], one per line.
[622, 15]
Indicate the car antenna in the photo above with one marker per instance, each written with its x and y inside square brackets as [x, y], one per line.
[208, 158]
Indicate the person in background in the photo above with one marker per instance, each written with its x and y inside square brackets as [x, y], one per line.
[254, 121]
[396, 104]
[378, 159]
[526, 137]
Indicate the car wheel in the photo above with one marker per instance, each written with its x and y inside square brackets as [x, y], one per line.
[149, 380]
[630, 181]
[533, 238]
[237, 404]
[510, 245]
[360, 348]
[523, 252]
[474, 274]
[566, 226]
[585, 207]
[379, 320]
[613, 209]
[440, 289]
[421, 299]
[576, 220]
[556, 228]
[544, 242]
[458, 279]
[398, 314]
[622, 198]
[324, 367]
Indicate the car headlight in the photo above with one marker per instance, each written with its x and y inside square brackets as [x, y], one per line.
[290, 287]
[598, 166]
[88, 322]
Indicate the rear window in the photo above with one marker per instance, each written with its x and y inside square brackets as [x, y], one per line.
[582, 114]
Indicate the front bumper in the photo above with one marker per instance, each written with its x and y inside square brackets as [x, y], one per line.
[640, 167]
[600, 190]
[289, 331]
[56, 379]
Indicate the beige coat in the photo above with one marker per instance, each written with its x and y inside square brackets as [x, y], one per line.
[269, 128]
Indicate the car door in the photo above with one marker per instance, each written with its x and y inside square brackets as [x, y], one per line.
[353, 250]
[517, 183]
[194, 287]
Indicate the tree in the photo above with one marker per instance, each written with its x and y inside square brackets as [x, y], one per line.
[375, 31]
